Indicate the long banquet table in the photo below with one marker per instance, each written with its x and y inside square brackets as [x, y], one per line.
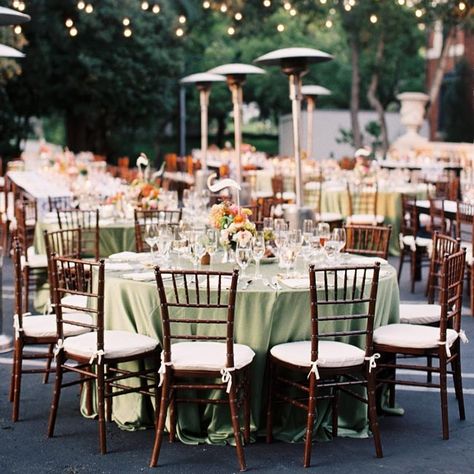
[264, 317]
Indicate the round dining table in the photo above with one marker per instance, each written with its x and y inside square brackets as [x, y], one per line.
[266, 314]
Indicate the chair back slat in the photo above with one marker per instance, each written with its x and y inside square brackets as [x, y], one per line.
[362, 198]
[59, 203]
[73, 276]
[372, 241]
[442, 245]
[88, 221]
[452, 277]
[143, 217]
[190, 294]
[349, 294]
[465, 223]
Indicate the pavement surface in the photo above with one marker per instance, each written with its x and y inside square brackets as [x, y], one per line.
[412, 443]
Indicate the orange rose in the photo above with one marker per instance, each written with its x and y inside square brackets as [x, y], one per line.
[238, 219]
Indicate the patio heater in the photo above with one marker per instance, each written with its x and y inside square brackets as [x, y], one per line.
[203, 82]
[5, 341]
[310, 92]
[12, 17]
[236, 74]
[294, 63]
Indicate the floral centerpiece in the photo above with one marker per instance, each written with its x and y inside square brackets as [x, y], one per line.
[147, 194]
[233, 223]
[364, 169]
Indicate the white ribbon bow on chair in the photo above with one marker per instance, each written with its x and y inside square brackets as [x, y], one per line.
[162, 371]
[97, 355]
[16, 324]
[372, 359]
[314, 369]
[59, 347]
[227, 377]
[462, 336]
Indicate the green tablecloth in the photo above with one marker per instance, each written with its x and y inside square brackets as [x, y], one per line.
[264, 317]
[113, 238]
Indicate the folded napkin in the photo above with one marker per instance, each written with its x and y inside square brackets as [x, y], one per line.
[139, 276]
[295, 283]
[360, 260]
[128, 256]
[118, 266]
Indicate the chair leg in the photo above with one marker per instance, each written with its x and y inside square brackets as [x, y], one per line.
[56, 394]
[429, 374]
[271, 386]
[26, 289]
[372, 412]
[472, 289]
[172, 433]
[17, 379]
[457, 376]
[247, 406]
[48, 363]
[101, 407]
[413, 270]
[310, 420]
[160, 425]
[335, 412]
[444, 394]
[12, 383]
[234, 413]
[108, 397]
[400, 264]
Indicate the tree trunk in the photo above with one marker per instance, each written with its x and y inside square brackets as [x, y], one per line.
[372, 93]
[355, 91]
[440, 67]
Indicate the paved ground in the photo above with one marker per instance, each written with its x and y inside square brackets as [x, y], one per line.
[412, 443]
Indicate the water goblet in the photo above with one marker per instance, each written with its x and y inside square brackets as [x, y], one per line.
[152, 233]
[243, 254]
[258, 251]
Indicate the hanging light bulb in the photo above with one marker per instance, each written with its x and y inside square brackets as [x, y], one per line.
[223, 8]
[231, 30]
[292, 12]
[182, 19]
[179, 32]
[462, 6]
[238, 16]
[206, 5]
[81, 5]
[17, 30]
[280, 28]
[267, 3]
[328, 24]
[89, 8]
[145, 5]
[156, 9]
[69, 23]
[127, 32]
[73, 31]
[373, 19]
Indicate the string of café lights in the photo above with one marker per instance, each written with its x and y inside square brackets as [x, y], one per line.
[227, 8]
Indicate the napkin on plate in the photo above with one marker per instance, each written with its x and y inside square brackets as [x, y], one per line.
[128, 256]
[118, 266]
[359, 260]
[139, 276]
[295, 283]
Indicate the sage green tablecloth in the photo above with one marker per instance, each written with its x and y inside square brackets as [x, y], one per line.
[113, 237]
[264, 317]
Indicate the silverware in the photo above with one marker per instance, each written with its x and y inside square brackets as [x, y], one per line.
[247, 284]
[270, 285]
[276, 284]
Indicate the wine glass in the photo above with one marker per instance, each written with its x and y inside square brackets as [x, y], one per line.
[288, 254]
[180, 247]
[152, 233]
[339, 235]
[164, 241]
[258, 251]
[308, 227]
[212, 241]
[267, 224]
[198, 248]
[187, 198]
[324, 232]
[243, 254]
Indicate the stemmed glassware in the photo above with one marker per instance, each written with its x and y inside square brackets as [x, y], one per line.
[258, 251]
[335, 244]
[243, 254]
[324, 232]
[339, 235]
[212, 241]
[198, 248]
[152, 233]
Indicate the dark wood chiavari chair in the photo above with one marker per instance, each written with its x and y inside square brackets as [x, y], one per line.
[412, 244]
[59, 203]
[442, 245]
[332, 365]
[368, 240]
[207, 353]
[31, 330]
[88, 221]
[34, 266]
[144, 217]
[363, 198]
[438, 221]
[441, 342]
[465, 232]
[96, 355]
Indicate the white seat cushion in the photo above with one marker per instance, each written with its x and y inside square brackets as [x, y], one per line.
[208, 355]
[412, 243]
[328, 217]
[330, 354]
[45, 326]
[368, 219]
[74, 300]
[116, 344]
[34, 261]
[411, 336]
[425, 220]
[420, 313]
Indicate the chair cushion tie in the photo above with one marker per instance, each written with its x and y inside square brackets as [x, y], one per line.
[314, 369]
[227, 377]
[371, 359]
